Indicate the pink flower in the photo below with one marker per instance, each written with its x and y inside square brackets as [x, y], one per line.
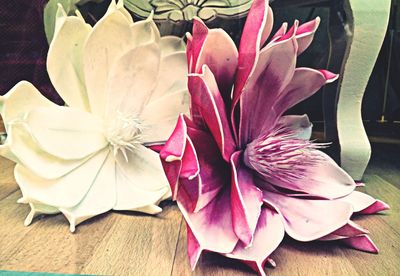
[243, 173]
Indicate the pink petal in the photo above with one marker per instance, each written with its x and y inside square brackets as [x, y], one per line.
[354, 236]
[325, 179]
[305, 34]
[213, 169]
[211, 227]
[172, 154]
[273, 72]
[351, 229]
[364, 204]
[195, 44]
[209, 105]
[193, 247]
[250, 44]
[305, 83]
[307, 220]
[246, 200]
[219, 53]
[363, 243]
[268, 235]
[299, 124]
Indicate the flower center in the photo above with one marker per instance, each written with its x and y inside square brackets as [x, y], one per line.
[280, 156]
[124, 133]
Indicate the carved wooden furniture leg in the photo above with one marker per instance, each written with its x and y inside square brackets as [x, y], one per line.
[370, 19]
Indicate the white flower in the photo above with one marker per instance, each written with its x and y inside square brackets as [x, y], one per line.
[124, 87]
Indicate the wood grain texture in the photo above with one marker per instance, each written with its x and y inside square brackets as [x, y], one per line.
[127, 243]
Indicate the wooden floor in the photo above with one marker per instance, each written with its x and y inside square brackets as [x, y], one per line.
[133, 244]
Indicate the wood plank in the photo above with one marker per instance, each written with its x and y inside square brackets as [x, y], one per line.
[7, 181]
[137, 245]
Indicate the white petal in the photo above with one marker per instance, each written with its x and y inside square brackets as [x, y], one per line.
[171, 44]
[21, 99]
[38, 209]
[64, 60]
[66, 132]
[141, 181]
[172, 76]
[155, 113]
[132, 80]
[66, 191]
[110, 38]
[28, 153]
[100, 198]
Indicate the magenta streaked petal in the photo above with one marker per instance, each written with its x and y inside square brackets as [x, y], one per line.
[268, 235]
[300, 125]
[193, 248]
[250, 44]
[362, 243]
[212, 225]
[172, 154]
[305, 83]
[213, 169]
[364, 204]
[272, 74]
[266, 32]
[199, 35]
[305, 34]
[280, 32]
[302, 221]
[246, 200]
[208, 102]
[219, 53]
[351, 229]
[324, 179]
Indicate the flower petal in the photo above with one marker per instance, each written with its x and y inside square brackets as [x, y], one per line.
[61, 136]
[268, 235]
[273, 72]
[110, 37]
[209, 105]
[212, 225]
[170, 81]
[301, 220]
[159, 116]
[132, 80]
[305, 83]
[21, 99]
[246, 201]
[305, 34]
[299, 124]
[100, 198]
[28, 153]
[66, 191]
[38, 209]
[253, 37]
[64, 59]
[323, 179]
[171, 44]
[364, 204]
[141, 180]
[219, 53]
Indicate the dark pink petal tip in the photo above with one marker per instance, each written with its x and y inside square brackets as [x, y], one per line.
[362, 243]
[376, 207]
[329, 76]
[308, 27]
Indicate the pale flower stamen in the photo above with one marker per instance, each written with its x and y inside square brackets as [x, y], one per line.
[125, 133]
[281, 156]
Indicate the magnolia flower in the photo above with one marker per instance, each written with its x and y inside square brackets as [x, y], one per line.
[244, 174]
[124, 86]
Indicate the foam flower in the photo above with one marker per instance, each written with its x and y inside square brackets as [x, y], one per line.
[90, 156]
[242, 172]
